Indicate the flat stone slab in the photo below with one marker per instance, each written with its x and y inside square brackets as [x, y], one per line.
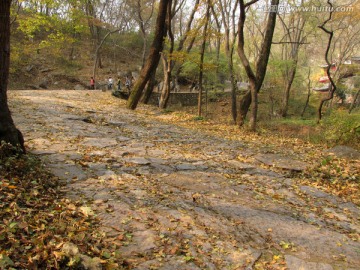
[99, 142]
[116, 123]
[67, 172]
[294, 263]
[122, 139]
[240, 165]
[39, 143]
[282, 162]
[43, 152]
[185, 167]
[194, 181]
[142, 242]
[138, 161]
[314, 192]
[342, 151]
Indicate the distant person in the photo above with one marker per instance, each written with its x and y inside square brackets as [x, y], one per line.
[194, 86]
[92, 83]
[128, 83]
[118, 84]
[110, 83]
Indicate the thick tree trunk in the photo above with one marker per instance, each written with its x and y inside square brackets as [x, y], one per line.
[168, 63]
[153, 58]
[165, 91]
[149, 88]
[244, 105]
[8, 132]
[143, 56]
[255, 79]
[254, 107]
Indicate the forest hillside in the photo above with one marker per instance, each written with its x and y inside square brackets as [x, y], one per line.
[62, 44]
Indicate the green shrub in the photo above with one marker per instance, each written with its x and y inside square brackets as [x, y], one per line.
[340, 127]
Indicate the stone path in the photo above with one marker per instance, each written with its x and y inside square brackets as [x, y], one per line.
[173, 198]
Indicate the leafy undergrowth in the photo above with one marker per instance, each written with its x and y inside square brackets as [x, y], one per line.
[39, 229]
[337, 176]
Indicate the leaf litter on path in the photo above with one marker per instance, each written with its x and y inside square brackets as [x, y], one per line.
[149, 217]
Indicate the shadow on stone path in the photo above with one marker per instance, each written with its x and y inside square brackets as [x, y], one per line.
[172, 198]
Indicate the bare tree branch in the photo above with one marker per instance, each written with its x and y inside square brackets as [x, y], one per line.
[332, 87]
[250, 3]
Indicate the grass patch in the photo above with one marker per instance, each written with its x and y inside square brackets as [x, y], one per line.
[199, 118]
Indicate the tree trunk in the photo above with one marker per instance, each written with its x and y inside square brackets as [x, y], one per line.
[8, 132]
[244, 105]
[233, 80]
[289, 82]
[332, 88]
[153, 58]
[354, 101]
[294, 29]
[97, 54]
[233, 91]
[218, 40]
[309, 93]
[228, 19]
[254, 107]
[149, 88]
[255, 79]
[165, 91]
[202, 52]
[168, 63]
[142, 25]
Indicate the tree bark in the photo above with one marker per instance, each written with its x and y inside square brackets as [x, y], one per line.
[149, 88]
[286, 97]
[229, 49]
[354, 101]
[309, 93]
[332, 88]
[165, 91]
[153, 58]
[202, 52]
[255, 79]
[218, 40]
[142, 22]
[8, 131]
[167, 62]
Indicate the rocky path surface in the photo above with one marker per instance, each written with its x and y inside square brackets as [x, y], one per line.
[173, 198]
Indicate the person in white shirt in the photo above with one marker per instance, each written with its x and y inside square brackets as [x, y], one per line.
[110, 83]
